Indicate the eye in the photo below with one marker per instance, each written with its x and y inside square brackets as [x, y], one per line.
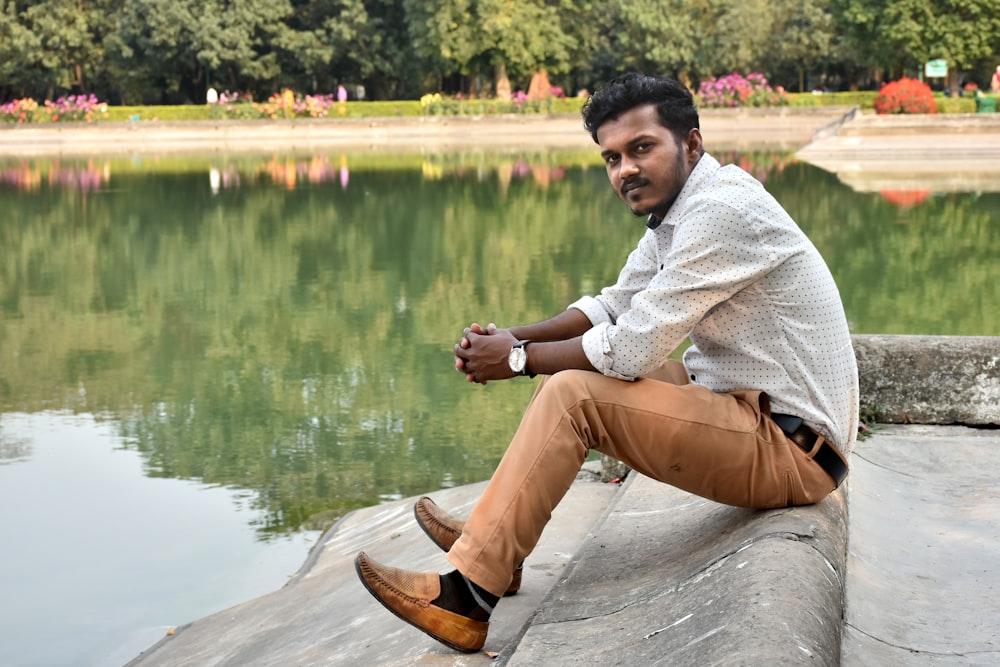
[643, 148]
[611, 159]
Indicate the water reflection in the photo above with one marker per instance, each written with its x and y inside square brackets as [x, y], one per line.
[107, 559]
[905, 198]
[29, 175]
[14, 448]
[296, 171]
[284, 325]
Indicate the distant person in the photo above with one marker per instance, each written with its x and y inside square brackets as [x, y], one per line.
[995, 81]
[762, 412]
[212, 96]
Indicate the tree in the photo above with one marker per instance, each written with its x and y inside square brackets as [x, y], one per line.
[478, 38]
[17, 44]
[57, 45]
[184, 46]
[802, 37]
[658, 37]
[901, 35]
[959, 31]
[742, 32]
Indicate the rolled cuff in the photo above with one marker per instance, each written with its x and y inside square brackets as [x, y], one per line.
[592, 308]
[597, 347]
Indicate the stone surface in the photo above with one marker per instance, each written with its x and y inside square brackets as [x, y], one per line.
[646, 574]
[672, 574]
[930, 379]
[938, 153]
[924, 562]
[325, 616]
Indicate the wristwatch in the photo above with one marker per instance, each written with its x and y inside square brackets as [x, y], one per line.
[518, 358]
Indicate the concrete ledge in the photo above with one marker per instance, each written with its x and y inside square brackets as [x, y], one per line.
[866, 125]
[724, 130]
[930, 379]
[671, 576]
[939, 152]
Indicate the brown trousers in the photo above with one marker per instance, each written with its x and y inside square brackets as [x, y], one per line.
[723, 447]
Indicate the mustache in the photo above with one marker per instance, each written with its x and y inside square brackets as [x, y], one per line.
[634, 182]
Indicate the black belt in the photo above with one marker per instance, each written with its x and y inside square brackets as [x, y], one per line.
[826, 456]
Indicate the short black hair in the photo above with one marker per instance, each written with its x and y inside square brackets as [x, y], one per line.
[672, 99]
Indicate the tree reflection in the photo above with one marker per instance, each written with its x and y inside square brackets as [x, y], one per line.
[289, 330]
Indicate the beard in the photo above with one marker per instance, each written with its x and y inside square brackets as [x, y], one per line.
[677, 179]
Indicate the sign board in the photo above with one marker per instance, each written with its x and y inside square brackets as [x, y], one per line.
[936, 68]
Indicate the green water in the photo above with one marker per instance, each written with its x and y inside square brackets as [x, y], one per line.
[282, 327]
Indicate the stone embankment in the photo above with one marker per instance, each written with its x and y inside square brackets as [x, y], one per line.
[938, 153]
[646, 574]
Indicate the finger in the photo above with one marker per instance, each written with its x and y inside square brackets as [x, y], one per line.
[491, 328]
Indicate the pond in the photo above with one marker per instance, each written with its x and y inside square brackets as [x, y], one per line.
[205, 362]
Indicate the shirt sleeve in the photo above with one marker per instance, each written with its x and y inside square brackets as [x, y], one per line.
[715, 251]
[603, 311]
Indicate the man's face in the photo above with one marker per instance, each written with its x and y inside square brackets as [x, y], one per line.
[646, 166]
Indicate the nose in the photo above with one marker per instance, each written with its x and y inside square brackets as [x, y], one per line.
[627, 167]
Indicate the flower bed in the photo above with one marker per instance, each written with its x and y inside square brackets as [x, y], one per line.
[735, 90]
[74, 108]
[436, 104]
[286, 104]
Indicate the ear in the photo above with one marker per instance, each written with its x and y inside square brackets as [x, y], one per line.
[693, 146]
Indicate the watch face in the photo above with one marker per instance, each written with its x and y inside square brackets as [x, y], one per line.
[516, 359]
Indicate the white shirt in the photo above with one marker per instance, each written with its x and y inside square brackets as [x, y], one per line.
[729, 268]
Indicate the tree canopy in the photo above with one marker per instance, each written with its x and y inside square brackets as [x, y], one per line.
[172, 51]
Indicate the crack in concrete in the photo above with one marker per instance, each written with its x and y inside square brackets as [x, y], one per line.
[940, 654]
[882, 466]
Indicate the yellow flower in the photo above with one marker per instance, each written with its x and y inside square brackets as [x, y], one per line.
[429, 99]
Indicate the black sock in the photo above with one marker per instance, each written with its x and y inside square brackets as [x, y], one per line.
[458, 594]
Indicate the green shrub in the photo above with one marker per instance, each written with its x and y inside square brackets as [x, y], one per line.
[955, 104]
[165, 113]
[436, 104]
[353, 109]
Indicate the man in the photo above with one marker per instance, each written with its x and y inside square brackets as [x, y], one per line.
[762, 413]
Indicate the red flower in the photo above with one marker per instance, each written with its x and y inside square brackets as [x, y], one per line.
[905, 96]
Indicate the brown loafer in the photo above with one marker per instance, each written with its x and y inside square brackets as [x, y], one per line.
[444, 530]
[408, 595]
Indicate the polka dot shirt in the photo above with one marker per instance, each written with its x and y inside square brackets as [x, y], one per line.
[730, 269]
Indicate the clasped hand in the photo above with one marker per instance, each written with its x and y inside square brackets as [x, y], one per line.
[482, 353]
